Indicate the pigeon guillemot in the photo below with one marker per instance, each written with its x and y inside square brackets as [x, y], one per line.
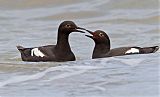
[59, 52]
[102, 47]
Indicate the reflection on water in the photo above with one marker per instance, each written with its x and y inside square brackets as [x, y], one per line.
[35, 22]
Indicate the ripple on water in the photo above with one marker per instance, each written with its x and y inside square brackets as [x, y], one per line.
[31, 24]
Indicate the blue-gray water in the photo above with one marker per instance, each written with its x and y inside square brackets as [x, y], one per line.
[34, 23]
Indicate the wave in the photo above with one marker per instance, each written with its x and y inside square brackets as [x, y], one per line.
[73, 70]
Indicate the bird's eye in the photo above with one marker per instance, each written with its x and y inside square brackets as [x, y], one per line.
[68, 26]
[101, 34]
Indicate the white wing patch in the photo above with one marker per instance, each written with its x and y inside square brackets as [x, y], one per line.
[132, 50]
[37, 52]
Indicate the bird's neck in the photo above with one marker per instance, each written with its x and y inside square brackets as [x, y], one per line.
[62, 42]
[100, 50]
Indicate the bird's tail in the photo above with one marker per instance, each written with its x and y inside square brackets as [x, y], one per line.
[20, 48]
[150, 49]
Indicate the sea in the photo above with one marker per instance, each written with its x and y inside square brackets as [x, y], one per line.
[33, 23]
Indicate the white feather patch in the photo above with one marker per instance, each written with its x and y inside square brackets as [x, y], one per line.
[37, 52]
[132, 50]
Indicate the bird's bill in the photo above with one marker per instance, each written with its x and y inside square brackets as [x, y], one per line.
[92, 34]
[78, 29]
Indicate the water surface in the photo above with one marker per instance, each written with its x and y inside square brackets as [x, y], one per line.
[35, 22]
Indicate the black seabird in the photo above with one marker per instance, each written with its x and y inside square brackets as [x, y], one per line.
[60, 52]
[103, 49]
